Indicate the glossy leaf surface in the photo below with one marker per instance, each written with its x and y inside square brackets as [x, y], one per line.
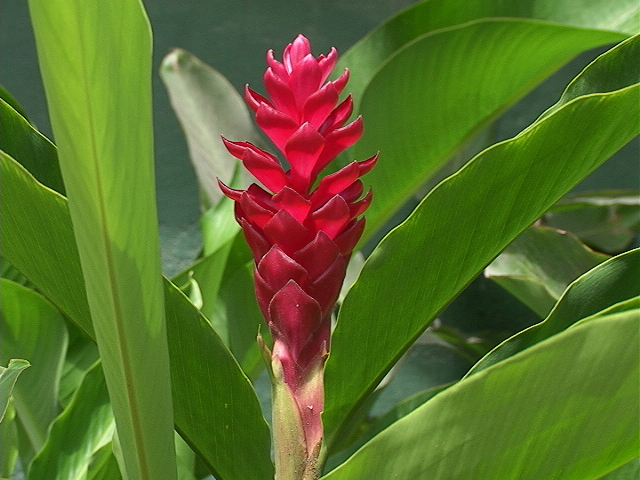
[367, 56]
[459, 227]
[78, 433]
[19, 139]
[33, 329]
[606, 220]
[33, 215]
[95, 60]
[419, 109]
[563, 408]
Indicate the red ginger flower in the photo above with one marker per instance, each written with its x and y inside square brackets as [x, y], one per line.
[301, 237]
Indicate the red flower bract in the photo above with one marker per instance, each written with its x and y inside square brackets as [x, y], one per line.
[301, 237]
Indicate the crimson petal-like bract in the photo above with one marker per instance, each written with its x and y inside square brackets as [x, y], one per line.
[301, 237]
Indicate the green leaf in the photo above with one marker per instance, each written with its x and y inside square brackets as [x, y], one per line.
[10, 272]
[9, 441]
[186, 460]
[418, 110]
[236, 309]
[539, 265]
[613, 281]
[95, 60]
[104, 466]
[8, 98]
[32, 328]
[606, 73]
[22, 141]
[226, 286]
[219, 414]
[84, 426]
[598, 198]
[82, 353]
[204, 374]
[628, 471]
[219, 226]
[380, 423]
[219, 233]
[367, 56]
[26, 204]
[459, 228]
[561, 409]
[208, 107]
[8, 377]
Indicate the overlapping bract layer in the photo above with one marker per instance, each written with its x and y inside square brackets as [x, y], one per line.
[301, 237]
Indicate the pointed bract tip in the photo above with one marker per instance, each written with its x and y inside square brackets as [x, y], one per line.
[232, 193]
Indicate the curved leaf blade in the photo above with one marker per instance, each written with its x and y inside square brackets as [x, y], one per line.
[418, 109]
[562, 409]
[8, 377]
[78, 433]
[95, 60]
[366, 57]
[613, 281]
[208, 107]
[219, 414]
[38, 153]
[539, 265]
[448, 239]
[33, 216]
[32, 328]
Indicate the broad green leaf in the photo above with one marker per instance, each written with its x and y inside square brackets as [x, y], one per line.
[10, 272]
[32, 328]
[459, 228]
[605, 74]
[607, 229]
[33, 216]
[186, 460]
[25, 204]
[85, 425]
[219, 415]
[367, 56]
[623, 306]
[95, 60]
[218, 226]
[539, 265]
[613, 281]
[380, 423]
[418, 109]
[237, 308]
[8, 377]
[561, 409]
[37, 154]
[208, 107]
[226, 287]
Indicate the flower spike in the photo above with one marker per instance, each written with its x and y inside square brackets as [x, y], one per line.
[301, 237]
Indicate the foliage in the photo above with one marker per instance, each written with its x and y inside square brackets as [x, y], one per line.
[80, 259]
